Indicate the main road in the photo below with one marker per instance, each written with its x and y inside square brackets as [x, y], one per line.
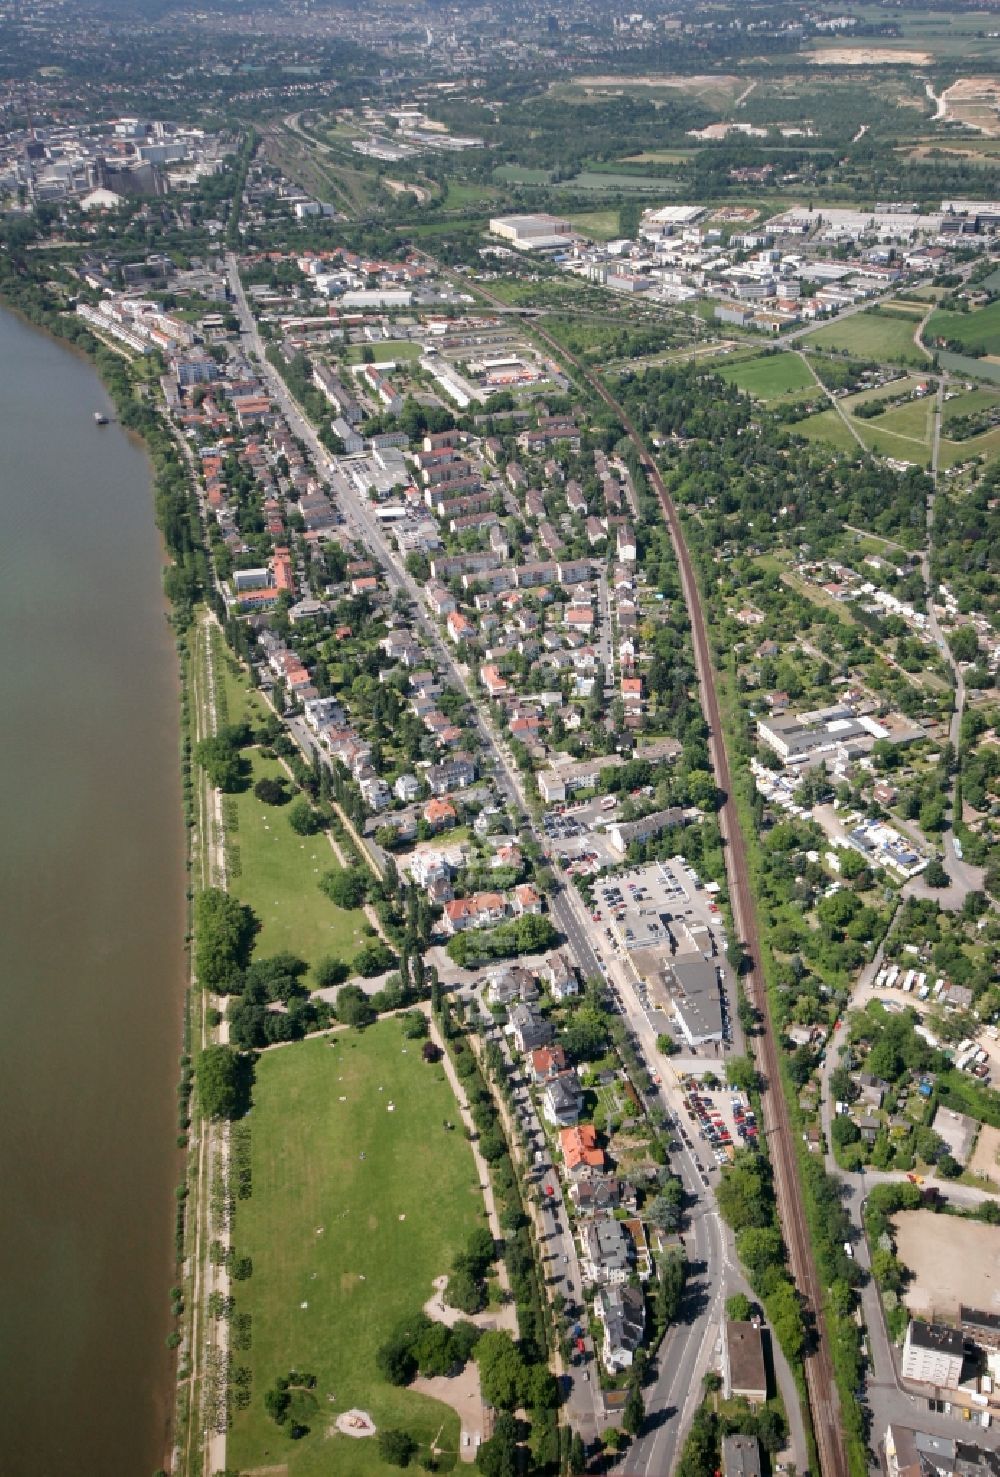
[688, 1346]
[820, 1380]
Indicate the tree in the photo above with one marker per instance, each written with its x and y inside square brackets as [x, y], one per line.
[634, 1413]
[220, 759]
[501, 1369]
[935, 874]
[670, 1289]
[302, 818]
[844, 1131]
[224, 930]
[739, 1308]
[347, 887]
[577, 1456]
[330, 971]
[354, 1008]
[396, 1447]
[665, 1209]
[217, 1076]
[396, 1361]
[498, 1456]
[271, 791]
[742, 1074]
[374, 958]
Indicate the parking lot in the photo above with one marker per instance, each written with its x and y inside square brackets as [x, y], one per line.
[577, 835]
[664, 904]
[721, 1120]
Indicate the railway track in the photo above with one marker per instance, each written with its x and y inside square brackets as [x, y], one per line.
[823, 1401]
[820, 1383]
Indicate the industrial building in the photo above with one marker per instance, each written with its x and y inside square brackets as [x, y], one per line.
[534, 232]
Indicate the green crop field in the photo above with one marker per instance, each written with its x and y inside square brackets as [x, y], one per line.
[771, 377]
[871, 336]
[354, 1211]
[978, 331]
[277, 873]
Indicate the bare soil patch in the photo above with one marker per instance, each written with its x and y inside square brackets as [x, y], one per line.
[986, 1159]
[462, 1393]
[867, 56]
[953, 1261]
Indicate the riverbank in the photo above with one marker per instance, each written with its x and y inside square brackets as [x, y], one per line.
[94, 920]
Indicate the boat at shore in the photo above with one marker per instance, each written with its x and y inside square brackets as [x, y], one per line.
[100, 419]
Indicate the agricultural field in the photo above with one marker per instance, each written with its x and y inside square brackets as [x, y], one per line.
[772, 377]
[277, 873]
[977, 331]
[354, 1210]
[871, 335]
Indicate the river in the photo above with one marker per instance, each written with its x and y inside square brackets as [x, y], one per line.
[92, 922]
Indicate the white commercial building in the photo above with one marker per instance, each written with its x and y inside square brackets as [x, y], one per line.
[934, 1354]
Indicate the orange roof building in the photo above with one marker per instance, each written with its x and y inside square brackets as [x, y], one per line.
[579, 1147]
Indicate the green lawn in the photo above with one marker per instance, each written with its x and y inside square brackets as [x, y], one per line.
[828, 427]
[967, 404]
[771, 376]
[976, 330]
[384, 351]
[914, 419]
[602, 225]
[881, 392]
[871, 336]
[343, 1247]
[278, 873]
[987, 445]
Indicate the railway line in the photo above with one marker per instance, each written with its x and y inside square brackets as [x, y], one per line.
[823, 1400]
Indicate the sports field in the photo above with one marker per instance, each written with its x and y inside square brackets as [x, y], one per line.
[277, 872]
[771, 377]
[354, 1210]
[871, 336]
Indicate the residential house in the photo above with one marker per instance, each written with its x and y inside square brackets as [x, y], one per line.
[407, 788]
[740, 1456]
[374, 791]
[560, 976]
[547, 1062]
[481, 910]
[580, 1149]
[526, 899]
[593, 1193]
[606, 1254]
[744, 1372]
[622, 1315]
[512, 982]
[440, 813]
[562, 1100]
[529, 1029]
